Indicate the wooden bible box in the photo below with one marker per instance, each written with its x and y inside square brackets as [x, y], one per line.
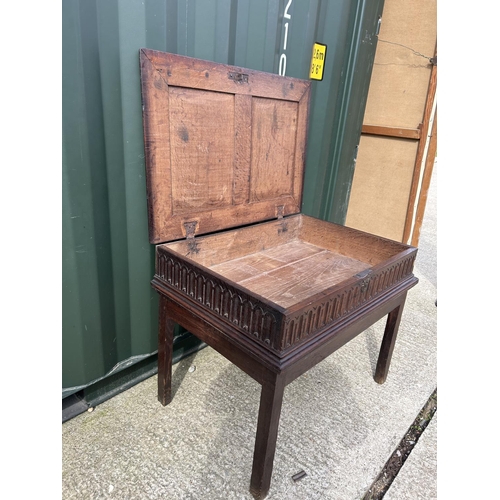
[237, 264]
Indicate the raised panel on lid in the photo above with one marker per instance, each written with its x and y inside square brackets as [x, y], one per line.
[274, 130]
[202, 149]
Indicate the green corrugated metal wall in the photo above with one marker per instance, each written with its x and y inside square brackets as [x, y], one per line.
[109, 308]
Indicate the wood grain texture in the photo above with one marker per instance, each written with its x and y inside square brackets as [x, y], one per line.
[229, 245]
[412, 200]
[176, 70]
[202, 149]
[219, 151]
[242, 147]
[404, 133]
[301, 144]
[304, 273]
[426, 181]
[353, 243]
[274, 128]
[283, 287]
[240, 243]
[157, 151]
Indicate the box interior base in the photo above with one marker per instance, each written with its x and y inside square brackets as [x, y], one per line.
[289, 260]
[291, 272]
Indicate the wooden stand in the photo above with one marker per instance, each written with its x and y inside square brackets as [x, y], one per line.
[270, 372]
[271, 289]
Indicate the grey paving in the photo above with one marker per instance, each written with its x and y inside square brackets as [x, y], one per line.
[337, 424]
[417, 478]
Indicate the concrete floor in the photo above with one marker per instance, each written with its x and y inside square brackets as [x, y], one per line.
[337, 424]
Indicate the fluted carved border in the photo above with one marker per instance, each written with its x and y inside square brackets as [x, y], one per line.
[302, 325]
[254, 318]
[242, 311]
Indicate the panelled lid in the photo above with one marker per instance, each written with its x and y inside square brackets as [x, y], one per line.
[224, 146]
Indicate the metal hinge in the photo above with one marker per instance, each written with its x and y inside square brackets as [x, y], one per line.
[190, 228]
[238, 77]
[280, 212]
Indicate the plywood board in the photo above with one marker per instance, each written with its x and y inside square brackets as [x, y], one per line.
[381, 186]
[399, 102]
[400, 76]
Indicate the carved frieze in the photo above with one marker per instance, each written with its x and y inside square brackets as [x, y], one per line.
[242, 311]
[305, 323]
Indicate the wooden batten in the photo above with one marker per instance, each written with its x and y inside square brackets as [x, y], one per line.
[422, 157]
[403, 133]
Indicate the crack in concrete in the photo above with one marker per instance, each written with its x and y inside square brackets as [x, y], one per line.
[383, 481]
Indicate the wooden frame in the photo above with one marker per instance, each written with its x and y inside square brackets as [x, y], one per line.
[409, 227]
[420, 180]
[272, 374]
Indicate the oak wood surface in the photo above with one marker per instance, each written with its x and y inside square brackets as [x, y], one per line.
[221, 150]
[250, 266]
[243, 148]
[165, 346]
[353, 243]
[274, 373]
[388, 343]
[271, 400]
[176, 70]
[300, 273]
[234, 244]
[202, 149]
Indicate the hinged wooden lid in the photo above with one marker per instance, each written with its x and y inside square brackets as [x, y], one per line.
[224, 146]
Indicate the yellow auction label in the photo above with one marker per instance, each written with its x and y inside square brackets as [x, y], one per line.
[317, 61]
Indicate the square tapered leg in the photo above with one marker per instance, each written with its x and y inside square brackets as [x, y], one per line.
[165, 347]
[388, 342]
[267, 432]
